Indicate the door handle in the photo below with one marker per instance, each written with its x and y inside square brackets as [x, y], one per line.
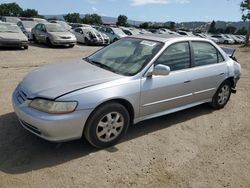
[221, 74]
[188, 81]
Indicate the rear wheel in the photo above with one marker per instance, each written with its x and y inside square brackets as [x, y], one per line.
[107, 125]
[222, 95]
[115, 39]
[71, 45]
[25, 47]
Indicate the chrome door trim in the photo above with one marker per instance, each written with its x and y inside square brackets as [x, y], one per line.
[204, 91]
[166, 100]
[179, 97]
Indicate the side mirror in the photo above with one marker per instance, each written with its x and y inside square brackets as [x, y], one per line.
[159, 70]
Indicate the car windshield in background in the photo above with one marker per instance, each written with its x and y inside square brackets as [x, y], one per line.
[7, 28]
[29, 24]
[64, 25]
[55, 28]
[126, 56]
[118, 31]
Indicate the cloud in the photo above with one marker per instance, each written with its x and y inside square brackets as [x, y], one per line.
[94, 9]
[182, 1]
[145, 2]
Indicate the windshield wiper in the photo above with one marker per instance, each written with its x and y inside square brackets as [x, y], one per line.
[101, 65]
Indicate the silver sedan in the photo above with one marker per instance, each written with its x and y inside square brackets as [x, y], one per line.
[53, 34]
[134, 79]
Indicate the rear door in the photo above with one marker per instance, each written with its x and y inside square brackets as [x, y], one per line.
[209, 70]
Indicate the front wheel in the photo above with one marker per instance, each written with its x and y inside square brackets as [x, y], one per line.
[107, 125]
[222, 95]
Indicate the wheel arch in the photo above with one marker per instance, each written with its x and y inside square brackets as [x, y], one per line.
[129, 107]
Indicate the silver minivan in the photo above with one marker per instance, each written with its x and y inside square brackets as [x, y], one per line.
[131, 80]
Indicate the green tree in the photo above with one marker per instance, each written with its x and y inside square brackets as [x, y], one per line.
[241, 31]
[172, 26]
[245, 8]
[10, 9]
[144, 25]
[212, 28]
[92, 19]
[30, 13]
[230, 29]
[122, 20]
[73, 18]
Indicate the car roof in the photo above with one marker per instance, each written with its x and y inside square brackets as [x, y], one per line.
[166, 37]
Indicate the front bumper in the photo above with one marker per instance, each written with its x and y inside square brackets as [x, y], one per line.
[51, 127]
[13, 43]
[63, 42]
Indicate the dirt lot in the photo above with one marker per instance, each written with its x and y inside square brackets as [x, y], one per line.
[198, 147]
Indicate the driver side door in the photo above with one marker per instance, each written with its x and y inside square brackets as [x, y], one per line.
[162, 93]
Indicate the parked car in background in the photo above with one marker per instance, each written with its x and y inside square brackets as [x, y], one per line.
[223, 39]
[130, 31]
[10, 19]
[90, 36]
[62, 23]
[186, 33]
[53, 34]
[168, 31]
[37, 20]
[114, 33]
[26, 27]
[131, 80]
[235, 38]
[203, 35]
[75, 25]
[12, 36]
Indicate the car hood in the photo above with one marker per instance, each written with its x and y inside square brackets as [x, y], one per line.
[13, 36]
[52, 81]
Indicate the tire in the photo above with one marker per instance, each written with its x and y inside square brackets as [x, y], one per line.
[115, 39]
[71, 45]
[48, 42]
[34, 39]
[103, 121]
[226, 42]
[222, 95]
[26, 47]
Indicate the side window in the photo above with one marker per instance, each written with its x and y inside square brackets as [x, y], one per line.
[78, 31]
[38, 26]
[176, 56]
[205, 54]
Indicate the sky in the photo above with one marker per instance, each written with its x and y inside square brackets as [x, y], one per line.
[142, 10]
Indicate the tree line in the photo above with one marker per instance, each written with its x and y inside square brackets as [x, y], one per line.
[13, 9]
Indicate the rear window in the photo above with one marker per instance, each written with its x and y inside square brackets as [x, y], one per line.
[205, 54]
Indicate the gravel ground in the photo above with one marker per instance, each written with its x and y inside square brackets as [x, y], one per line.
[194, 148]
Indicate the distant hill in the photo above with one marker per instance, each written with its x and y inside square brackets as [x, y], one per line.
[187, 25]
[105, 19]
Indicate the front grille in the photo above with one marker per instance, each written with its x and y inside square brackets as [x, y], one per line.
[30, 127]
[65, 37]
[21, 96]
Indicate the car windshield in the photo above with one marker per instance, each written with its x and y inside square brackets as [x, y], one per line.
[29, 24]
[118, 31]
[127, 56]
[8, 28]
[55, 28]
[64, 25]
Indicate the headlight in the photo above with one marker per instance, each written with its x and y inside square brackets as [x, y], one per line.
[53, 107]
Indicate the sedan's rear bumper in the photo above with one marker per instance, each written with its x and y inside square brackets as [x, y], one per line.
[51, 127]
